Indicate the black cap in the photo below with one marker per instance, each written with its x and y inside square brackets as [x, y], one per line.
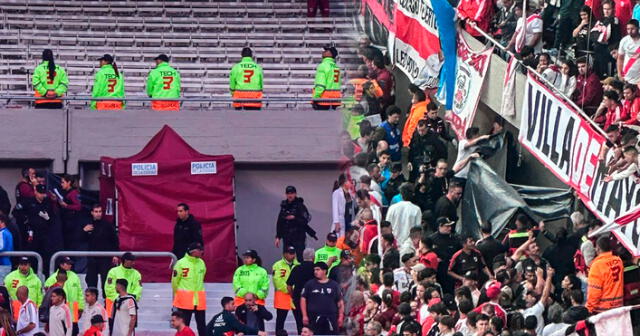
[290, 190]
[107, 58]
[162, 57]
[250, 253]
[24, 260]
[332, 237]
[345, 254]
[67, 260]
[41, 188]
[321, 265]
[444, 221]
[97, 319]
[128, 256]
[195, 246]
[332, 49]
[290, 249]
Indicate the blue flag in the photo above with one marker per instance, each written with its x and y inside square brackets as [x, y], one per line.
[445, 20]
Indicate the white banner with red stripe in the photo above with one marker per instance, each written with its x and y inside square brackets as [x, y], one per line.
[568, 146]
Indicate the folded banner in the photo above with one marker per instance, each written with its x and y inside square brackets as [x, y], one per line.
[508, 106]
[471, 69]
[568, 146]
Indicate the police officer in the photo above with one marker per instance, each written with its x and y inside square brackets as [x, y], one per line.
[281, 272]
[72, 288]
[245, 81]
[127, 272]
[164, 82]
[108, 82]
[186, 231]
[293, 223]
[44, 228]
[328, 80]
[445, 245]
[250, 278]
[50, 81]
[187, 282]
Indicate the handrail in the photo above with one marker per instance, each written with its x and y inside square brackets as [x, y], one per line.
[186, 99]
[540, 77]
[27, 254]
[144, 254]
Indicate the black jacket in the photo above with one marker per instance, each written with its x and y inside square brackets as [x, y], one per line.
[185, 233]
[5, 203]
[47, 233]
[489, 248]
[103, 237]
[226, 321]
[426, 149]
[297, 228]
[262, 314]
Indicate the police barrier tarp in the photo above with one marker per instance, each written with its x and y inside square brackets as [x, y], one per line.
[149, 186]
[488, 197]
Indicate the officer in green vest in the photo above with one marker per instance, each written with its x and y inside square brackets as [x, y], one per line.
[329, 254]
[328, 81]
[72, 288]
[164, 82]
[108, 82]
[281, 272]
[49, 81]
[250, 278]
[127, 272]
[187, 282]
[245, 81]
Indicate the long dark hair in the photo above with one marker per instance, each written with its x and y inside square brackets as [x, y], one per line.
[47, 55]
[115, 69]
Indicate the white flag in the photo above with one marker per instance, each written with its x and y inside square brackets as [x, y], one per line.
[508, 107]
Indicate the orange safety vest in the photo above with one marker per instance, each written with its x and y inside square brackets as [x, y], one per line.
[45, 100]
[606, 283]
[330, 94]
[184, 299]
[165, 105]
[108, 306]
[418, 111]
[247, 94]
[109, 105]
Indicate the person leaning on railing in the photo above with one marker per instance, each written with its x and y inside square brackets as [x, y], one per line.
[49, 81]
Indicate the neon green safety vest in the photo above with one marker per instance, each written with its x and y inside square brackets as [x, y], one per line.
[42, 83]
[328, 77]
[106, 84]
[251, 279]
[188, 282]
[281, 272]
[15, 280]
[163, 82]
[246, 76]
[133, 278]
[323, 255]
[72, 287]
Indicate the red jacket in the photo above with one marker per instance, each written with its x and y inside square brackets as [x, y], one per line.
[369, 232]
[478, 11]
[93, 331]
[385, 80]
[631, 108]
[588, 91]
[497, 308]
[615, 115]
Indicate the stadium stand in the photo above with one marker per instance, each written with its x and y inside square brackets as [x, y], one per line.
[202, 38]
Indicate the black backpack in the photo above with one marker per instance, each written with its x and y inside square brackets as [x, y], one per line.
[116, 306]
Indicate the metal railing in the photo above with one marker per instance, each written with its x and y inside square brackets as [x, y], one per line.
[27, 254]
[540, 77]
[145, 254]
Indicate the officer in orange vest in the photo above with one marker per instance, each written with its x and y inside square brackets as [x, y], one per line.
[187, 282]
[606, 279]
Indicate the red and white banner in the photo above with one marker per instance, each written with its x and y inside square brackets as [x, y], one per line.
[568, 146]
[508, 106]
[471, 69]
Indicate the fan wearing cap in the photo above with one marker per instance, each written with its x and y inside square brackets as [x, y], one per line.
[245, 81]
[163, 82]
[124, 271]
[108, 83]
[250, 278]
[329, 253]
[72, 287]
[97, 326]
[23, 276]
[445, 245]
[493, 294]
[328, 82]
[281, 272]
[187, 282]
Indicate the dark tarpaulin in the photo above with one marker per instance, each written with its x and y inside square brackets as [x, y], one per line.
[488, 197]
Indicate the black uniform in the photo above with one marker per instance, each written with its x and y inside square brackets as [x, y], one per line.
[445, 246]
[298, 278]
[490, 248]
[43, 221]
[294, 232]
[425, 150]
[103, 237]
[185, 233]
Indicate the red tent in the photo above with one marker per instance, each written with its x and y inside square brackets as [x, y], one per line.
[150, 184]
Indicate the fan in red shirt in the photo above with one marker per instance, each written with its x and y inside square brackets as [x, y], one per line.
[427, 257]
[97, 325]
[631, 104]
[177, 323]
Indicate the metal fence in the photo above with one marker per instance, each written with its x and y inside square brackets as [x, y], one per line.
[142, 254]
[27, 254]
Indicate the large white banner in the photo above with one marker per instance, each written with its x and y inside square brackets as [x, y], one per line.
[471, 69]
[567, 145]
